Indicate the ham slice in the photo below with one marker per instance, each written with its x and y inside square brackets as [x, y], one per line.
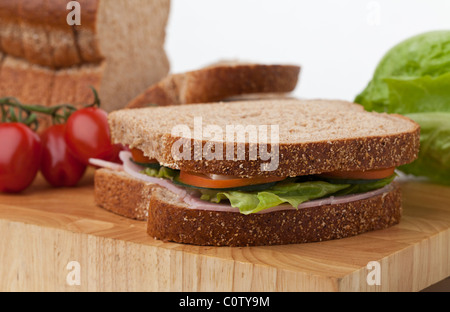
[105, 164]
[194, 202]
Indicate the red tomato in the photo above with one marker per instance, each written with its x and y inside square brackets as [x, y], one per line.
[87, 135]
[20, 157]
[58, 166]
[138, 156]
[201, 180]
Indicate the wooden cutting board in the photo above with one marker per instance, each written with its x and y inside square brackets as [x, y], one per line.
[58, 240]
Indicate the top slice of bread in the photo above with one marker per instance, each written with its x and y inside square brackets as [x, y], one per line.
[315, 136]
[218, 82]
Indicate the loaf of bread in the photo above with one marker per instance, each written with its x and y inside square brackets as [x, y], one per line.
[118, 49]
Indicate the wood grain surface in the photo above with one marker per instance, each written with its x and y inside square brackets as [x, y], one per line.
[45, 229]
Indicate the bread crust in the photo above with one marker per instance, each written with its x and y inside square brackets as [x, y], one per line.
[308, 158]
[215, 83]
[45, 37]
[51, 12]
[169, 221]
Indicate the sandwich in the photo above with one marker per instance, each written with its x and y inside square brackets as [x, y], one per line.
[262, 172]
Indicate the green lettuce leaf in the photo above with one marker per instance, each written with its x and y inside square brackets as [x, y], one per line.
[292, 193]
[427, 54]
[434, 155]
[162, 172]
[424, 94]
[413, 79]
[366, 187]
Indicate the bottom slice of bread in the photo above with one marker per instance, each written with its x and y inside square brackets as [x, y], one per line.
[122, 194]
[170, 219]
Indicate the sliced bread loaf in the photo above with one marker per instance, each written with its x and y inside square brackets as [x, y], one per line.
[125, 37]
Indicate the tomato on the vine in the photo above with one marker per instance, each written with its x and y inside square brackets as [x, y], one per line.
[20, 156]
[87, 135]
[58, 166]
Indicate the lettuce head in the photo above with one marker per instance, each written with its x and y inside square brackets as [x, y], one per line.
[413, 79]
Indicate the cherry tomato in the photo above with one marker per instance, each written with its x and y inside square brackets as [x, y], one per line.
[87, 135]
[58, 166]
[20, 157]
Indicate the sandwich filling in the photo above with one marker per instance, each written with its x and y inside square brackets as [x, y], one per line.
[258, 194]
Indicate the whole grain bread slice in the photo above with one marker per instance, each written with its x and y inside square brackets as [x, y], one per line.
[169, 219]
[218, 82]
[315, 136]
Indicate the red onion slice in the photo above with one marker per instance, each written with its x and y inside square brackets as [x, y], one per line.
[105, 164]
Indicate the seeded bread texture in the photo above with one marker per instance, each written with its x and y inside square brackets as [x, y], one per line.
[171, 220]
[315, 136]
[119, 193]
[218, 82]
[123, 38]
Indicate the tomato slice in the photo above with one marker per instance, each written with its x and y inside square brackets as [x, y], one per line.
[360, 175]
[139, 157]
[201, 180]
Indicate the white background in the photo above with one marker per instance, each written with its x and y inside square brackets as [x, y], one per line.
[338, 43]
